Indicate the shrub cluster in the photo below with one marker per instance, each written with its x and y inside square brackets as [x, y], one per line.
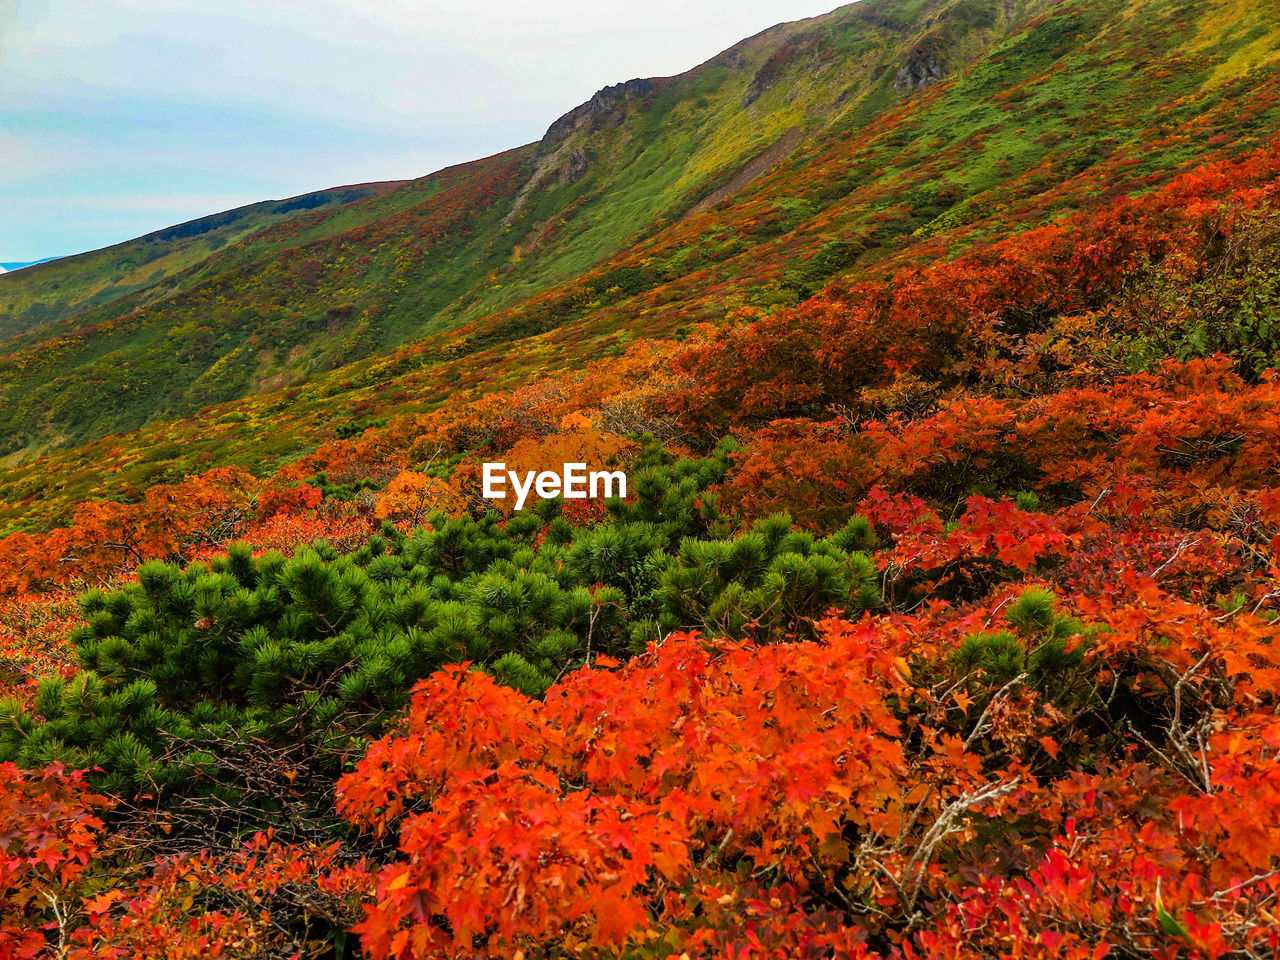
[319, 651]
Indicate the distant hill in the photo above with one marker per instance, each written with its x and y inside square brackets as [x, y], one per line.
[64, 286]
[12, 265]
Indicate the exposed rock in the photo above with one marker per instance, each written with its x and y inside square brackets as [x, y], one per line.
[576, 168]
[758, 85]
[601, 109]
[922, 69]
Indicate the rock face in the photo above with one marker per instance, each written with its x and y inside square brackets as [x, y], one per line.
[922, 69]
[601, 109]
[758, 85]
[576, 168]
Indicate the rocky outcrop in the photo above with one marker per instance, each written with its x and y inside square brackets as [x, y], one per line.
[922, 68]
[576, 167]
[601, 110]
[557, 159]
[758, 85]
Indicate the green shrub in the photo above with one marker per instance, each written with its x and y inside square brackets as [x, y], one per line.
[317, 652]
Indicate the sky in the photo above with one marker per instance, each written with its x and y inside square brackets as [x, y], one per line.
[119, 117]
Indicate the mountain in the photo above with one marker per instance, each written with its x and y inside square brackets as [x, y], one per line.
[19, 264]
[884, 133]
[65, 286]
[937, 343]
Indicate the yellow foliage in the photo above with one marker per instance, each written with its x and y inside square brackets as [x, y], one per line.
[1226, 17]
[412, 496]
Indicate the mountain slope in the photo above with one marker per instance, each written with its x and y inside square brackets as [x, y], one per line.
[611, 172]
[48, 291]
[883, 134]
[939, 618]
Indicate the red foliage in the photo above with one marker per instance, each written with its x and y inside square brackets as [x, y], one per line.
[156, 918]
[48, 836]
[172, 522]
[642, 804]
[985, 315]
[578, 817]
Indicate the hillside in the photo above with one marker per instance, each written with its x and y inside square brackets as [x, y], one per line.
[46, 292]
[653, 207]
[494, 233]
[939, 342]
[626, 179]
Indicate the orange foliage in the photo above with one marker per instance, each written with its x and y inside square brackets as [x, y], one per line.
[171, 522]
[552, 819]
[155, 919]
[412, 496]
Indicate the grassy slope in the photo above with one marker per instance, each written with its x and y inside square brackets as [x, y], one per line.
[47, 292]
[1098, 93]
